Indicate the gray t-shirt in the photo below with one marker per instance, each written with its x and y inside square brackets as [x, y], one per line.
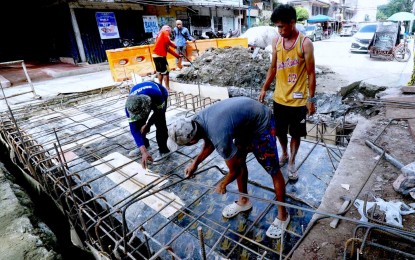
[238, 118]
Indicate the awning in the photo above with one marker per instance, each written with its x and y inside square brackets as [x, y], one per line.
[320, 18]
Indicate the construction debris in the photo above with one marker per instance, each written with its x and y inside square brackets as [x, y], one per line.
[228, 67]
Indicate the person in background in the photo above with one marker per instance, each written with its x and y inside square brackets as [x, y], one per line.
[235, 127]
[294, 66]
[145, 97]
[161, 48]
[181, 35]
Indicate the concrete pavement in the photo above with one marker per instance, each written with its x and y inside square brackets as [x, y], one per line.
[335, 54]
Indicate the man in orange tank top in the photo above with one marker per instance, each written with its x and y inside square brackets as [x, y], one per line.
[293, 65]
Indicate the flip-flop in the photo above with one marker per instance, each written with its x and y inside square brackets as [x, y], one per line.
[292, 172]
[277, 228]
[234, 209]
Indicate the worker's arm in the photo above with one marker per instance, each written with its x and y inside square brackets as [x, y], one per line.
[175, 54]
[189, 37]
[271, 72]
[135, 128]
[207, 149]
[311, 72]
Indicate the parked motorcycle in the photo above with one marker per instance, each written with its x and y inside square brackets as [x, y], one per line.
[214, 35]
[131, 42]
[233, 34]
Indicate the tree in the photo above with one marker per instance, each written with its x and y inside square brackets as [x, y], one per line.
[302, 13]
[380, 16]
[395, 6]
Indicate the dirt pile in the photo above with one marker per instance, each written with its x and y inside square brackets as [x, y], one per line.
[228, 67]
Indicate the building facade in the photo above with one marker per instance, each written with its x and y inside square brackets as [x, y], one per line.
[80, 31]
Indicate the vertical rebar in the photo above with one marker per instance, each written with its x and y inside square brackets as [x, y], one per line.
[29, 80]
[202, 242]
[60, 147]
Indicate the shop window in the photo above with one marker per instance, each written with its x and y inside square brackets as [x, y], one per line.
[217, 21]
[201, 21]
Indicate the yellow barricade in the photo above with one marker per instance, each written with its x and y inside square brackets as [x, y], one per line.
[125, 61]
[202, 45]
[232, 42]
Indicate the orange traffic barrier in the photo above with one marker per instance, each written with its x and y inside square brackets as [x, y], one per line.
[232, 42]
[202, 45]
[124, 62]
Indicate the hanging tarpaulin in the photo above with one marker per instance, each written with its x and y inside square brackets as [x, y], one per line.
[107, 25]
[150, 24]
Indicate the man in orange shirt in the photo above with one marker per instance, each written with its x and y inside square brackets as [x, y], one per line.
[161, 47]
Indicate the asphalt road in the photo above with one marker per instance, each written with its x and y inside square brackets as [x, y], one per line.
[335, 54]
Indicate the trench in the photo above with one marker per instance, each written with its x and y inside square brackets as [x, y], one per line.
[46, 211]
[96, 186]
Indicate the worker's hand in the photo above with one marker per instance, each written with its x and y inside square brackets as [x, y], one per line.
[311, 107]
[190, 169]
[145, 157]
[262, 95]
[145, 129]
[221, 188]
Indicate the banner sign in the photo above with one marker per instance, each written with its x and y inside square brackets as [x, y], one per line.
[150, 24]
[107, 25]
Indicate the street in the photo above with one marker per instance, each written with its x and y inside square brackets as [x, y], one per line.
[334, 53]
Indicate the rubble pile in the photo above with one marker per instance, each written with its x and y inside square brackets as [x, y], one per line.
[243, 73]
[228, 67]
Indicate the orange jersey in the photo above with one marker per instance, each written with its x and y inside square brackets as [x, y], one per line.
[291, 85]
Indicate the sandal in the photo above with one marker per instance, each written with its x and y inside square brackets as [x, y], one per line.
[283, 160]
[234, 209]
[292, 172]
[277, 228]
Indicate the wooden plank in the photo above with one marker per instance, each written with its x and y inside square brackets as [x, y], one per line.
[139, 181]
[410, 89]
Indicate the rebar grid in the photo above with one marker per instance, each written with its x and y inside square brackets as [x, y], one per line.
[103, 223]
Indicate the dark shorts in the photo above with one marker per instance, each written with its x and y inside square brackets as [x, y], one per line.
[181, 49]
[290, 120]
[162, 66]
[265, 149]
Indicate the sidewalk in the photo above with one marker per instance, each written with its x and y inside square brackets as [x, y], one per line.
[51, 80]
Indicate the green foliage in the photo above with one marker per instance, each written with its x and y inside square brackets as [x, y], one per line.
[302, 13]
[380, 16]
[395, 6]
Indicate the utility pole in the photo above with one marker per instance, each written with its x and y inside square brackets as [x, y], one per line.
[411, 23]
[249, 14]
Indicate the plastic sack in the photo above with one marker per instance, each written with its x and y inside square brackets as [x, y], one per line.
[393, 210]
[260, 36]
[359, 205]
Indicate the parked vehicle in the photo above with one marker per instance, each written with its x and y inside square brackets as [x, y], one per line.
[314, 32]
[346, 30]
[361, 40]
[131, 42]
[386, 43]
[300, 28]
